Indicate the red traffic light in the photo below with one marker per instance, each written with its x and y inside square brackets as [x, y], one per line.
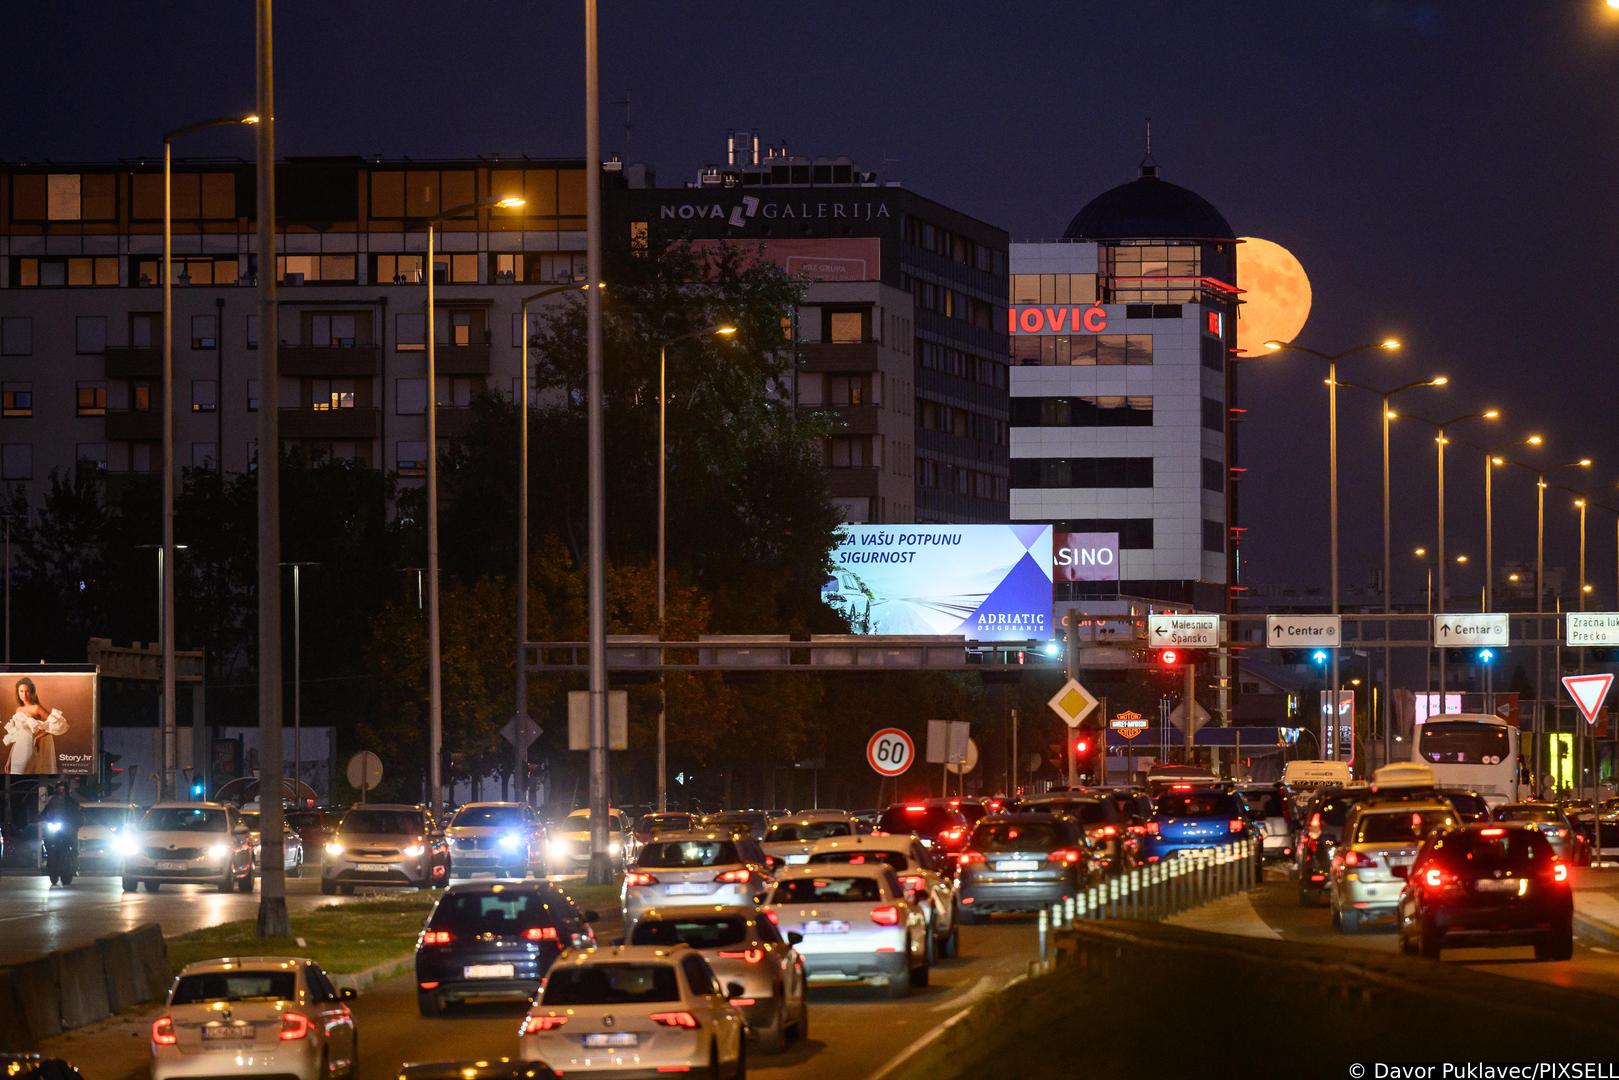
[1169, 657]
[1082, 746]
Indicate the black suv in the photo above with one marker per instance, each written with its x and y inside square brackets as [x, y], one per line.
[495, 939]
[1321, 823]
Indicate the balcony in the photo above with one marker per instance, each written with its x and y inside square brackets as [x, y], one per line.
[131, 363]
[862, 480]
[360, 422]
[134, 425]
[461, 359]
[855, 419]
[321, 360]
[826, 356]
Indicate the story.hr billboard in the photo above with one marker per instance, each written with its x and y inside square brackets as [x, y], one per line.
[986, 582]
[52, 727]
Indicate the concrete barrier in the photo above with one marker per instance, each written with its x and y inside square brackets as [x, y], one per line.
[15, 1035]
[151, 961]
[39, 990]
[118, 962]
[83, 986]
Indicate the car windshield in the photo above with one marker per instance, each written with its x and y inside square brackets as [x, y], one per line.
[1478, 852]
[807, 830]
[251, 820]
[1267, 803]
[507, 911]
[184, 819]
[856, 857]
[1086, 811]
[1470, 805]
[675, 854]
[715, 933]
[496, 816]
[235, 986]
[1527, 813]
[993, 836]
[107, 817]
[1464, 742]
[826, 890]
[1336, 808]
[1197, 804]
[383, 822]
[610, 984]
[1402, 825]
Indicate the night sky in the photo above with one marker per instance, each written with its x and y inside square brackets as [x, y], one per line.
[1443, 170]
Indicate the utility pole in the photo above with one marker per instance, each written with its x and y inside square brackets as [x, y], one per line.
[1071, 662]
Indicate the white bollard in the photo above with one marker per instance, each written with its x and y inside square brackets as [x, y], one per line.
[1068, 911]
[1043, 918]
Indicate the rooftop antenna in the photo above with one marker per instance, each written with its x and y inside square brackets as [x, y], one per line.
[1149, 167]
[625, 101]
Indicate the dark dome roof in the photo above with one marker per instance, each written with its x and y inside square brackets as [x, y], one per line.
[1148, 208]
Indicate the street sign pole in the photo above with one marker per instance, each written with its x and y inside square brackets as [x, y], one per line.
[1189, 708]
[1072, 655]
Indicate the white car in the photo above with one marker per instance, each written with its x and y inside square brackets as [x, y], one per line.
[568, 849]
[685, 869]
[179, 843]
[499, 838]
[921, 882]
[102, 824]
[255, 1016]
[788, 840]
[644, 1008]
[857, 923]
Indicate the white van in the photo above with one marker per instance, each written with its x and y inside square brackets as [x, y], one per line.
[1403, 774]
[1306, 775]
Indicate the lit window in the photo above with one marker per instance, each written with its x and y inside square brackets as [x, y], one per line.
[17, 400]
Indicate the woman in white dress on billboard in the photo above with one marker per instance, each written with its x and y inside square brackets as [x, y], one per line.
[31, 733]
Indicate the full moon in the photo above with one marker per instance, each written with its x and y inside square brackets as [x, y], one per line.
[1276, 295]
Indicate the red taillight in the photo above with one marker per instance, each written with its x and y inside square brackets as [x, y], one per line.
[915, 809]
[635, 877]
[1236, 824]
[541, 933]
[967, 858]
[294, 1026]
[1315, 825]
[541, 1023]
[674, 1019]
[429, 985]
[437, 937]
[950, 836]
[1180, 787]
[774, 919]
[1152, 828]
[912, 882]
[770, 862]
[1492, 832]
[1434, 879]
[1559, 871]
[1107, 832]
[1358, 858]
[996, 807]
[743, 1003]
[732, 877]
[887, 915]
[1070, 856]
[752, 956]
[163, 1031]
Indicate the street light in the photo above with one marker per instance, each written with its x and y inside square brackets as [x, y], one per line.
[1422, 553]
[1387, 345]
[297, 678]
[1579, 504]
[435, 689]
[720, 330]
[166, 600]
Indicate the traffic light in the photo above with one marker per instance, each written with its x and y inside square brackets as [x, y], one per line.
[1320, 657]
[197, 790]
[1176, 659]
[1485, 656]
[1168, 658]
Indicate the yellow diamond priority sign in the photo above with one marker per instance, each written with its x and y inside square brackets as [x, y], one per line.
[1073, 703]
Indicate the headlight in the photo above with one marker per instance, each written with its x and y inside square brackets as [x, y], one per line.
[415, 851]
[53, 826]
[557, 847]
[334, 848]
[218, 851]
[511, 841]
[613, 848]
[129, 845]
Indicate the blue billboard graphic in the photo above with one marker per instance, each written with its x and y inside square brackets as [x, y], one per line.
[986, 582]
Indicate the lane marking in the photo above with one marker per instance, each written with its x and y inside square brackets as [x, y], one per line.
[966, 994]
[916, 1046]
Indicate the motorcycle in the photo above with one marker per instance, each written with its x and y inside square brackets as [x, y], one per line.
[61, 853]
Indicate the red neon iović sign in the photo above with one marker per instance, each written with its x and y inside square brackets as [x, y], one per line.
[1060, 319]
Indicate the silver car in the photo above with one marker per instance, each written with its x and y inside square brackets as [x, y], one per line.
[917, 876]
[1546, 817]
[385, 844]
[788, 840]
[181, 843]
[857, 922]
[702, 867]
[500, 838]
[102, 825]
[1269, 806]
[1378, 838]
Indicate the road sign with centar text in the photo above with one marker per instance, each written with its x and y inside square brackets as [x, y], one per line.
[1466, 631]
[1073, 703]
[1302, 631]
[1184, 631]
[1588, 692]
[1590, 628]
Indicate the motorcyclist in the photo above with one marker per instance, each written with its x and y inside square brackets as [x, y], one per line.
[62, 818]
[63, 808]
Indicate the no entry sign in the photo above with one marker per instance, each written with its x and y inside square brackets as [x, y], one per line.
[890, 752]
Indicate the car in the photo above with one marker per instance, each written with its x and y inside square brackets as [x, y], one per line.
[394, 844]
[753, 822]
[745, 948]
[37, 1067]
[1487, 884]
[489, 1068]
[1192, 821]
[274, 1016]
[505, 839]
[647, 825]
[1104, 825]
[646, 1008]
[703, 867]
[971, 807]
[787, 842]
[1378, 840]
[1470, 805]
[495, 939]
[187, 843]
[292, 850]
[101, 825]
[1268, 806]
[1605, 814]
[1552, 823]
[917, 873]
[942, 830]
[1323, 815]
[858, 925]
[568, 847]
[1023, 862]
[315, 826]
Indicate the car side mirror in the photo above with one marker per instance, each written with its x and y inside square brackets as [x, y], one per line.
[794, 937]
[347, 993]
[593, 916]
[1402, 872]
[735, 989]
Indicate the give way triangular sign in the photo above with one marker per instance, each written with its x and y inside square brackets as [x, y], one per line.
[1588, 692]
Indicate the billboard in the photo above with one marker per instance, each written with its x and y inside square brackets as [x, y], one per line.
[815, 258]
[1085, 556]
[51, 727]
[986, 582]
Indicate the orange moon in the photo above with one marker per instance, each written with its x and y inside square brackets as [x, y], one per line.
[1276, 295]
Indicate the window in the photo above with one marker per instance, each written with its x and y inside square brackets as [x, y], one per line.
[141, 396]
[17, 461]
[91, 399]
[1213, 536]
[461, 328]
[455, 392]
[457, 268]
[209, 196]
[397, 270]
[189, 270]
[91, 456]
[410, 397]
[90, 334]
[845, 327]
[146, 330]
[141, 455]
[338, 329]
[1213, 475]
[252, 395]
[1105, 411]
[846, 389]
[408, 336]
[16, 336]
[75, 197]
[204, 395]
[411, 458]
[507, 267]
[1135, 534]
[638, 238]
[326, 395]
[75, 271]
[848, 452]
[1211, 353]
[1082, 350]
[1053, 288]
[252, 455]
[387, 195]
[17, 400]
[204, 331]
[297, 269]
[205, 455]
[252, 331]
[1110, 472]
[1213, 414]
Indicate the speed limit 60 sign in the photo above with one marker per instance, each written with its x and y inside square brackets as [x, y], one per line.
[890, 751]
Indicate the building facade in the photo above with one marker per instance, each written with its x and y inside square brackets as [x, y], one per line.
[1122, 390]
[81, 306]
[901, 334]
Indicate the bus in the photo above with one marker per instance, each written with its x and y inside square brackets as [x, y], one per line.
[1470, 750]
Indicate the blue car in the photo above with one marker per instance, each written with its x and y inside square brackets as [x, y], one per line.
[1188, 820]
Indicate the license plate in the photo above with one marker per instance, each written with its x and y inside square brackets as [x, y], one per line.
[225, 1032]
[834, 926]
[797, 860]
[691, 889]
[1016, 864]
[612, 1038]
[171, 866]
[488, 971]
[1498, 885]
[373, 867]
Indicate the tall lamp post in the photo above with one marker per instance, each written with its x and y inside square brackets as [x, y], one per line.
[1579, 504]
[1387, 345]
[1427, 685]
[435, 687]
[1440, 442]
[297, 676]
[171, 761]
[720, 329]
